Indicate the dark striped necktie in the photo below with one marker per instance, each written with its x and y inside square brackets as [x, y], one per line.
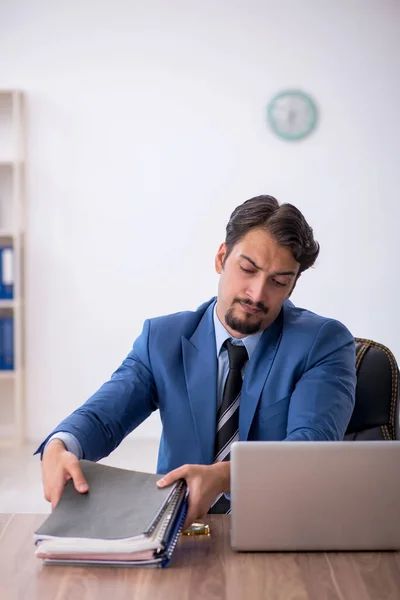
[228, 415]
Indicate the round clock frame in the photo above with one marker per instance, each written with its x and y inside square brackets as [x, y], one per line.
[304, 102]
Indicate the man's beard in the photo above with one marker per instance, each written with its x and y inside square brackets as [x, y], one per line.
[244, 326]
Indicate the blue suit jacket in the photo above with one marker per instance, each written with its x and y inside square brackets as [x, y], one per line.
[299, 385]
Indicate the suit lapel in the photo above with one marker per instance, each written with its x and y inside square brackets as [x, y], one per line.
[200, 366]
[257, 373]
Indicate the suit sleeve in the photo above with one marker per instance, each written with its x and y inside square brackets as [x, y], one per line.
[117, 408]
[323, 399]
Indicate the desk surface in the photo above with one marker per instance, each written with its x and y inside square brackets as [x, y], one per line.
[202, 567]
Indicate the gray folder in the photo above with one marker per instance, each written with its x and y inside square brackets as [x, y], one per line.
[120, 504]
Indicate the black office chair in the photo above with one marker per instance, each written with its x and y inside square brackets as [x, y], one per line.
[376, 411]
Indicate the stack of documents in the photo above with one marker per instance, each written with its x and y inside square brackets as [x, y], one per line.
[124, 520]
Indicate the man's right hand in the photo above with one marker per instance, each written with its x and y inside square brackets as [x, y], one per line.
[58, 466]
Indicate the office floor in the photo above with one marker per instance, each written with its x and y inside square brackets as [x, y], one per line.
[20, 473]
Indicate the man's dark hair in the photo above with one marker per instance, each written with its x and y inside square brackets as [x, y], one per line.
[284, 222]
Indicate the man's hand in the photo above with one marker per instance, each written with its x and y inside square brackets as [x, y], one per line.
[205, 483]
[58, 466]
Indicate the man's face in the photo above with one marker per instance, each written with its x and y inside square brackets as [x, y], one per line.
[256, 279]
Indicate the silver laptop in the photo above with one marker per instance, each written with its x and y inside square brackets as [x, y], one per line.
[292, 496]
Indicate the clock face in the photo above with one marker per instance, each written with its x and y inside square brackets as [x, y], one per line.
[292, 115]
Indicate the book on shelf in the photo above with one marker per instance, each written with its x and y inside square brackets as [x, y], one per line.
[124, 520]
[6, 272]
[6, 343]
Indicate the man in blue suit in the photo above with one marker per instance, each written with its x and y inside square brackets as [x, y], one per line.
[246, 365]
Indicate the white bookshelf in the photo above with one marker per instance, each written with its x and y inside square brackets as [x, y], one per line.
[12, 234]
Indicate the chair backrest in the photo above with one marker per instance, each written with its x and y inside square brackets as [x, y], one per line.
[376, 410]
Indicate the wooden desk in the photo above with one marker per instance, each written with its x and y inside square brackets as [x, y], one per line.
[202, 568]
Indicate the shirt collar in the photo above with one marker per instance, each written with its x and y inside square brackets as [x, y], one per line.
[221, 335]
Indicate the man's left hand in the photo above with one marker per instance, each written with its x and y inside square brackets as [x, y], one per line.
[205, 483]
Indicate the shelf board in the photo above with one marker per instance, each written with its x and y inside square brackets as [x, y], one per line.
[8, 92]
[8, 303]
[4, 374]
[11, 162]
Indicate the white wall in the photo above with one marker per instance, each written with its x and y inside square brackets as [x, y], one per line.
[146, 127]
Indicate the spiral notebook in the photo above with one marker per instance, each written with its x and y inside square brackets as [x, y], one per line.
[124, 519]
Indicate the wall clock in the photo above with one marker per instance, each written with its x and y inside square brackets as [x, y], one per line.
[292, 114]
